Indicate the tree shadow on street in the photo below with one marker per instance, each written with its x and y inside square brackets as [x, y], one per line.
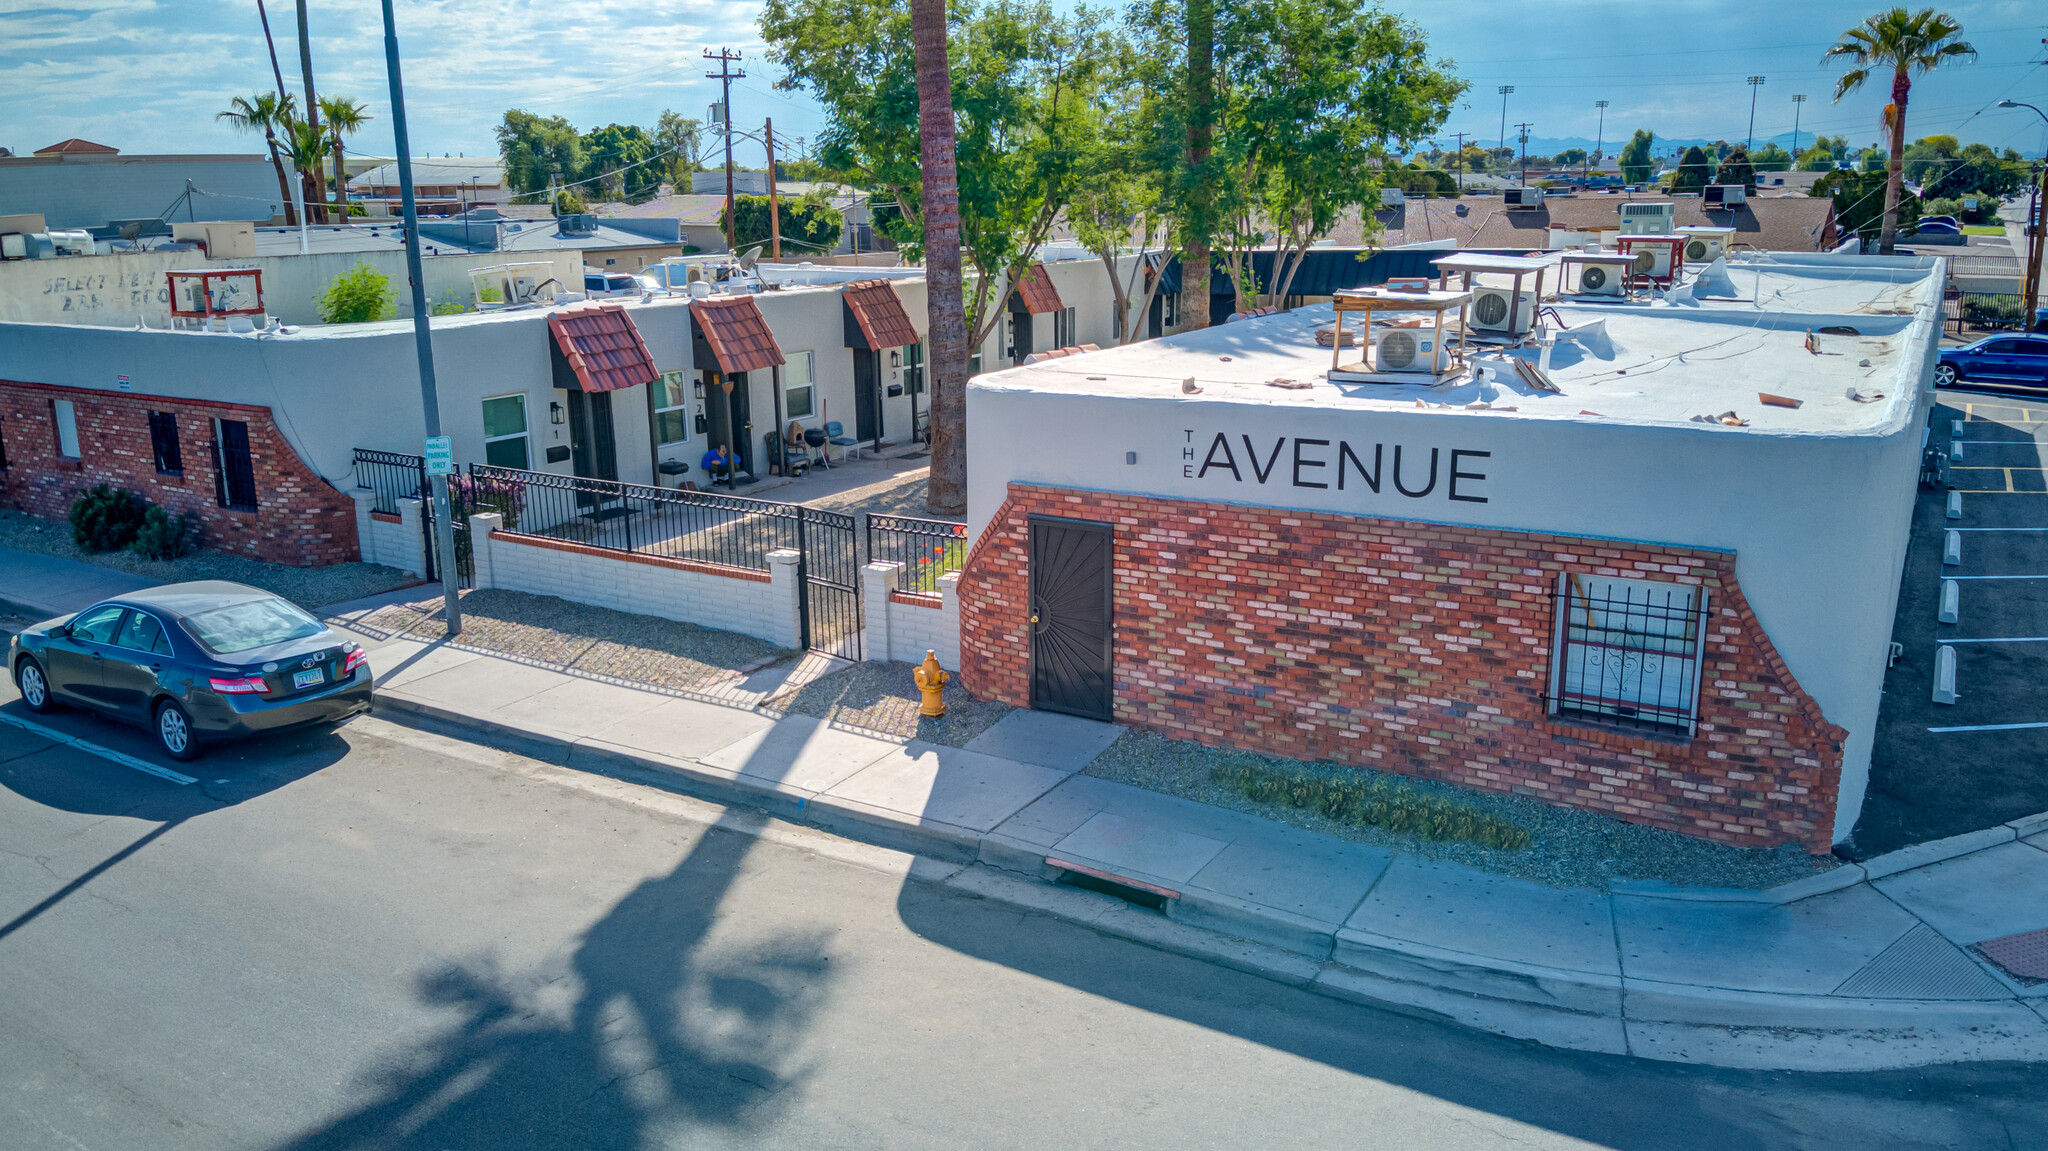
[653, 1029]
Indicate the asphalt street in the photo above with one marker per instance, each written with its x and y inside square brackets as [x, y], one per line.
[381, 938]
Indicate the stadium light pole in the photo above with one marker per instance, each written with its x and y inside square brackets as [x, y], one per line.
[1798, 104]
[423, 333]
[1599, 137]
[1754, 83]
[1505, 89]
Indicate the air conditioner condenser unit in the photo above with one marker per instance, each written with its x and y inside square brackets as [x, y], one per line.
[1600, 280]
[1410, 350]
[1705, 245]
[1501, 310]
[1652, 260]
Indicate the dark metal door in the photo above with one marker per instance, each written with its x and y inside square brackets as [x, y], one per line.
[867, 398]
[830, 605]
[1070, 617]
[732, 419]
[593, 446]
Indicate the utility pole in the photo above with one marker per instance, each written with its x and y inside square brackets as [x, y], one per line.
[725, 76]
[1505, 89]
[423, 334]
[1754, 82]
[774, 199]
[1599, 134]
[1461, 158]
[1525, 151]
[1797, 106]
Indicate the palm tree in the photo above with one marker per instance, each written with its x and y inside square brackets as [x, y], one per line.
[946, 494]
[344, 116]
[266, 113]
[1908, 44]
[310, 176]
[306, 146]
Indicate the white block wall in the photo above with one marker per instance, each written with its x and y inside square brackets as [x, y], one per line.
[906, 631]
[763, 609]
[396, 545]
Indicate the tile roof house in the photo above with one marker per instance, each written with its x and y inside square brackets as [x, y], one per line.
[77, 147]
[1034, 292]
[875, 318]
[734, 334]
[597, 348]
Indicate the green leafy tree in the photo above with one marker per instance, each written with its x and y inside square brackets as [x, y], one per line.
[616, 158]
[1737, 169]
[1871, 160]
[345, 117]
[1901, 44]
[306, 145]
[1636, 163]
[682, 139]
[1771, 158]
[534, 149]
[810, 222]
[1836, 146]
[1816, 159]
[1569, 158]
[1694, 171]
[568, 203]
[1860, 203]
[357, 296]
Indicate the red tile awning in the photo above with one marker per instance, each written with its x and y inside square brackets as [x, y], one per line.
[875, 317]
[602, 347]
[1034, 292]
[736, 334]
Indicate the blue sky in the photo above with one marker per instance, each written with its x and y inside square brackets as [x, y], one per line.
[147, 75]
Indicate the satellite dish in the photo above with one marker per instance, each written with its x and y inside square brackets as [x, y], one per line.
[751, 257]
[131, 230]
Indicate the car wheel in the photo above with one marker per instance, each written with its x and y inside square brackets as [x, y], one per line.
[174, 731]
[1945, 375]
[34, 686]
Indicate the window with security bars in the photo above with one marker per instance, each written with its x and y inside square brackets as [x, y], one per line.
[163, 444]
[234, 472]
[1628, 652]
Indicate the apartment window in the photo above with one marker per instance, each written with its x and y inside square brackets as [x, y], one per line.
[163, 444]
[505, 432]
[671, 408]
[234, 471]
[1628, 651]
[799, 389]
[67, 428]
[1169, 309]
[913, 369]
[1063, 329]
[3, 445]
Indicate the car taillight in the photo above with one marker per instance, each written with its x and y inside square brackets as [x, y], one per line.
[356, 659]
[242, 685]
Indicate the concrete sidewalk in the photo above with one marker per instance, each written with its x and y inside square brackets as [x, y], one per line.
[1867, 966]
[40, 586]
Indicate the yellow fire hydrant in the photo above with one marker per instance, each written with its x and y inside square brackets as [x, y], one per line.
[931, 680]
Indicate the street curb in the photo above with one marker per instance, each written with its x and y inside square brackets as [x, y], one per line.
[1571, 1010]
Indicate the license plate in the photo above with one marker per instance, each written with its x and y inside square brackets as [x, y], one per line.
[309, 678]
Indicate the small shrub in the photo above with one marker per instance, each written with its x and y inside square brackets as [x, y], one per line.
[106, 518]
[164, 536]
[1378, 803]
[357, 296]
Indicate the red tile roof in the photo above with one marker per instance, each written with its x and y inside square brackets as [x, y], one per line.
[603, 346]
[880, 314]
[1035, 291]
[738, 335]
[77, 147]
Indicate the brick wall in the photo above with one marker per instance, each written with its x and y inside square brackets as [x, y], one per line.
[1413, 648]
[300, 519]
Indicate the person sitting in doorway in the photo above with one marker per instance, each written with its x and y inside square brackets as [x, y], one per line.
[717, 465]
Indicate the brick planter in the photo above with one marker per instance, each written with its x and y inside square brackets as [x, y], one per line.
[1416, 648]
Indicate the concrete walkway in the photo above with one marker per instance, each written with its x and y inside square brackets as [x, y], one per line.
[1866, 966]
[40, 586]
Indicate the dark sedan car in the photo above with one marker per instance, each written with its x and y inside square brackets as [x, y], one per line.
[194, 662]
[1995, 362]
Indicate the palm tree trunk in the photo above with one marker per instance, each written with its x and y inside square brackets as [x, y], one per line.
[340, 180]
[284, 189]
[312, 111]
[1895, 168]
[946, 494]
[1196, 222]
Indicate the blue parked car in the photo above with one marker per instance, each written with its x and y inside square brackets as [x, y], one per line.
[1995, 362]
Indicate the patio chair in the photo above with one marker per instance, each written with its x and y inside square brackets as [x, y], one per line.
[835, 434]
[781, 460]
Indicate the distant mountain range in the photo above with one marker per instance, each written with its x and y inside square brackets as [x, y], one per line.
[1552, 145]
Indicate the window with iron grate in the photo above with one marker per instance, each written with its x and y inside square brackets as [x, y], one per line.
[163, 444]
[1628, 652]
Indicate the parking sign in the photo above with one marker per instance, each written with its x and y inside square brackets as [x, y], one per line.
[440, 455]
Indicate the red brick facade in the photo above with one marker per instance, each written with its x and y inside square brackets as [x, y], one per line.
[300, 519]
[1414, 648]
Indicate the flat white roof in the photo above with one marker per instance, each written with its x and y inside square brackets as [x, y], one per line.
[1668, 361]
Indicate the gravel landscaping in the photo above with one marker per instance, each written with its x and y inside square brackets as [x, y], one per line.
[1569, 848]
[881, 697]
[597, 641]
[310, 588]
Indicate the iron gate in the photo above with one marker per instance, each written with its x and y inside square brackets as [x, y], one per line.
[830, 573]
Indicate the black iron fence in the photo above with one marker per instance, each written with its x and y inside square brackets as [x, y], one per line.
[392, 476]
[704, 527]
[927, 549]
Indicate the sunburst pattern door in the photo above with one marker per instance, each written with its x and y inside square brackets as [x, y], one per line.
[1070, 617]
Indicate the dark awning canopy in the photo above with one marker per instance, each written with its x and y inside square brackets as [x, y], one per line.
[598, 348]
[875, 318]
[730, 334]
[1034, 292]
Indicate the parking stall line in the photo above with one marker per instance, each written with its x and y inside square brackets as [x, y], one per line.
[91, 748]
[1988, 727]
[2011, 639]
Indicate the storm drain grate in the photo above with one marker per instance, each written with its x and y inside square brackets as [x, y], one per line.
[1922, 965]
[1129, 890]
[2023, 956]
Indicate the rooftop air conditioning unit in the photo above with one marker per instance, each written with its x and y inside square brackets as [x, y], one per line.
[1652, 260]
[1522, 198]
[1501, 310]
[1705, 245]
[1647, 217]
[1410, 350]
[1724, 196]
[1392, 197]
[1600, 280]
